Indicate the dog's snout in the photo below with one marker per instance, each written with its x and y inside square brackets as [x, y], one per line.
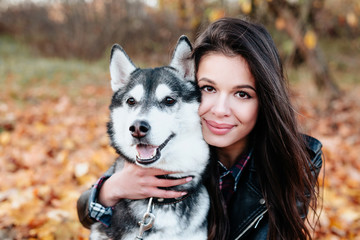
[139, 129]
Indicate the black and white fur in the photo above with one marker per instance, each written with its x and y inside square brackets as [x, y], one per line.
[154, 108]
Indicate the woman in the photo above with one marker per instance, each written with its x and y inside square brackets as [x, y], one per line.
[265, 169]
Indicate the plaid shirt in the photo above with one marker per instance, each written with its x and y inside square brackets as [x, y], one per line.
[96, 210]
[229, 178]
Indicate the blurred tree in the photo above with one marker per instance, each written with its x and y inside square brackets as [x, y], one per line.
[298, 24]
[189, 14]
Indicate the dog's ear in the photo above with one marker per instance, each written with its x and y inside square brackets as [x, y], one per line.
[181, 59]
[121, 67]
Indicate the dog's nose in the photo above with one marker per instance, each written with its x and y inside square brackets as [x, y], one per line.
[139, 129]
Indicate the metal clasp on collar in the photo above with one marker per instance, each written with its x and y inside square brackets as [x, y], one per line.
[147, 222]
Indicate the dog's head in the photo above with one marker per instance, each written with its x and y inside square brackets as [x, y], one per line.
[152, 109]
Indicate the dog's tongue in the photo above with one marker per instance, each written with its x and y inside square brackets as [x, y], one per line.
[146, 151]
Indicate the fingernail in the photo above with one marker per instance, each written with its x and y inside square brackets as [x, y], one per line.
[183, 193]
[188, 179]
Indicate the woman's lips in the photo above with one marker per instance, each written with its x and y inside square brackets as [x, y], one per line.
[218, 128]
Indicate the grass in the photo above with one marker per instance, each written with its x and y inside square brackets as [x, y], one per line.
[22, 69]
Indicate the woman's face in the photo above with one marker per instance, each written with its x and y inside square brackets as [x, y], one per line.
[229, 104]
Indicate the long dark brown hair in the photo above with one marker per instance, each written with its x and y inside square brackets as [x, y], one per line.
[280, 154]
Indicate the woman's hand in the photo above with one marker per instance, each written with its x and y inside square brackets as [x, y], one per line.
[135, 182]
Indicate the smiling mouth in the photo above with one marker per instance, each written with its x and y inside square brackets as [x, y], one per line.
[218, 129]
[147, 154]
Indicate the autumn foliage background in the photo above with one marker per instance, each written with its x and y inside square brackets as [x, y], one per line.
[55, 92]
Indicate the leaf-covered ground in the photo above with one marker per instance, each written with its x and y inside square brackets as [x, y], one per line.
[53, 146]
[337, 125]
[51, 150]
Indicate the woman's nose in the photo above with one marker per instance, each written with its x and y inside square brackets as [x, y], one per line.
[221, 106]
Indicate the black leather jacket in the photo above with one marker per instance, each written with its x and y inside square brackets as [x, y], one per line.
[248, 215]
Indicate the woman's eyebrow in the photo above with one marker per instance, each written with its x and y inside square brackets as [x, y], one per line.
[245, 86]
[206, 80]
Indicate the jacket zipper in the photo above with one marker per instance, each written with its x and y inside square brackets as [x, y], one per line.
[255, 222]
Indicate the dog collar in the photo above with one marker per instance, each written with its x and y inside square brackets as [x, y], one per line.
[168, 201]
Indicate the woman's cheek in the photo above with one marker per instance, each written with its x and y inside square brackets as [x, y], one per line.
[208, 100]
[201, 109]
[249, 112]
[204, 104]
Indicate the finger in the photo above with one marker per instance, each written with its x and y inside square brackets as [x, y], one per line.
[172, 182]
[156, 171]
[159, 193]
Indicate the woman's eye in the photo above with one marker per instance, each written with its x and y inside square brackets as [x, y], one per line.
[169, 101]
[242, 94]
[207, 89]
[131, 101]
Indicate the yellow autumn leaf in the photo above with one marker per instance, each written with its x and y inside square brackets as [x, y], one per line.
[86, 180]
[5, 138]
[352, 19]
[62, 156]
[40, 127]
[216, 14]
[310, 39]
[245, 6]
[280, 23]
[69, 144]
[101, 159]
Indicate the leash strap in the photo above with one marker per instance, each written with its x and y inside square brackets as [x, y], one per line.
[147, 222]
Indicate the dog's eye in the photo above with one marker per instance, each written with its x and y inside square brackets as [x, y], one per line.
[131, 101]
[169, 101]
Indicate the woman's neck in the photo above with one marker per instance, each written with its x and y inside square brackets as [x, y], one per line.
[228, 155]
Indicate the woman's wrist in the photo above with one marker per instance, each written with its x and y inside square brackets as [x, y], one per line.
[96, 210]
[106, 195]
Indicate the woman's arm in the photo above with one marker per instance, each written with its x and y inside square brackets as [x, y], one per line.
[131, 182]
[135, 182]
[83, 209]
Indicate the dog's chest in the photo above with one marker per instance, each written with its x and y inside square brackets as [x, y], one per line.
[183, 220]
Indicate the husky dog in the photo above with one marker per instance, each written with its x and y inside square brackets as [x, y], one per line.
[154, 123]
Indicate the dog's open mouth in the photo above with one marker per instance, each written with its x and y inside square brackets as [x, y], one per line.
[147, 154]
